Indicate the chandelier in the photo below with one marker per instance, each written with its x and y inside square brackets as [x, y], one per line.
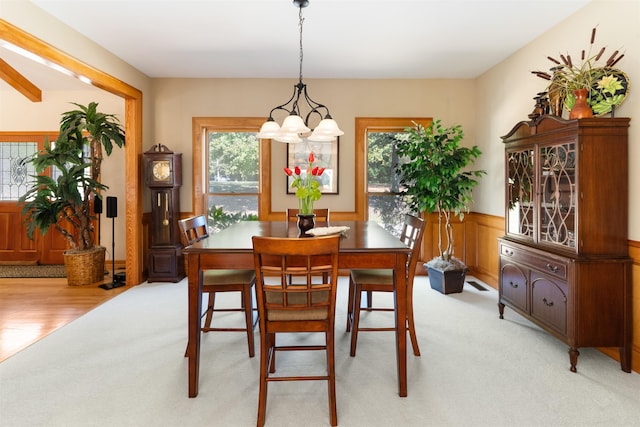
[293, 125]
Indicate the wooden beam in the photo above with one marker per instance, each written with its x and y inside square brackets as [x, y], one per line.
[19, 82]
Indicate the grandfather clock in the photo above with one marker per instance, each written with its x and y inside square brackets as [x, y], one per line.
[163, 176]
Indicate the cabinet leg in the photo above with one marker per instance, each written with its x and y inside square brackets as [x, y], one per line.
[625, 358]
[573, 358]
[501, 310]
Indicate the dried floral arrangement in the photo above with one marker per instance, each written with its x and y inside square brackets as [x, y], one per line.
[607, 85]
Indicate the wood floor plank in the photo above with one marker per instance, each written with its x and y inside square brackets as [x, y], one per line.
[30, 309]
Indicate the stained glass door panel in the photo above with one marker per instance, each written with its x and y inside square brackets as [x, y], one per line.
[558, 194]
[520, 213]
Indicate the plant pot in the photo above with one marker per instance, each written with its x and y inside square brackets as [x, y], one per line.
[86, 267]
[446, 282]
[306, 223]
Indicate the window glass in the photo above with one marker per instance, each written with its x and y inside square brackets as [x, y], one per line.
[233, 178]
[15, 168]
[383, 185]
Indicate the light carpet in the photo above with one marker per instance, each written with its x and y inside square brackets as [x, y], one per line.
[122, 364]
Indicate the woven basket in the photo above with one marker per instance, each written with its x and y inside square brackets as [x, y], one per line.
[86, 267]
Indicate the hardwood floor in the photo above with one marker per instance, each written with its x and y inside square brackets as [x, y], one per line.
[31, 309]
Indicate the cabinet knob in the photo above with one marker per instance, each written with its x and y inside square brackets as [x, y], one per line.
[552, 268]
[513, 285]
[547, 303]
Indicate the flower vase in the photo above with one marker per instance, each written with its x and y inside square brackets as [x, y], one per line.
[305, 223]
[581, 109]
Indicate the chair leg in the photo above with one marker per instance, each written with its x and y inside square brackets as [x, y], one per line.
[369, 300]
[331, 367]
[211, 296]
[271, 342]
[262, 394]
[357, 299]
[247, 303]
[411, 324]
[350, 304]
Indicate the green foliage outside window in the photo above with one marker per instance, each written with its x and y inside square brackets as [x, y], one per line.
[220, 219]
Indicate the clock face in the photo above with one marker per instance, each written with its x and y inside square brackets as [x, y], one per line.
[161, 170]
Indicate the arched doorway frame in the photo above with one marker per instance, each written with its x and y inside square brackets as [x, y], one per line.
[133, 130]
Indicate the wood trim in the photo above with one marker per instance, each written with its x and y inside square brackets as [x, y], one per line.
[133, 130]
[19, 82]
[199, 125]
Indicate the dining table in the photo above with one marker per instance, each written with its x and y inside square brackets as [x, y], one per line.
[365, 244]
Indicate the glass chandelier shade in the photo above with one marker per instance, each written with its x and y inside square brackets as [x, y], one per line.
[294, 126]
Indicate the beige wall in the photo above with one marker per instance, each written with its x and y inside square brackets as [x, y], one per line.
[176, 101]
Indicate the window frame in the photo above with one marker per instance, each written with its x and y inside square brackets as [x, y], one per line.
[200, 127]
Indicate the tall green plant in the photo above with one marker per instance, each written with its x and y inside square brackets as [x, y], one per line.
[65, 202]
[433, 176]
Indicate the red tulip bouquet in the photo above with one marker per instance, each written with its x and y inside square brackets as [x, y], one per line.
[306, 185]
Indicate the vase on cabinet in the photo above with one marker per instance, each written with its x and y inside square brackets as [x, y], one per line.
[581, 108]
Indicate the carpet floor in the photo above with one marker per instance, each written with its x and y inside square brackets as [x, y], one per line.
[122, 364]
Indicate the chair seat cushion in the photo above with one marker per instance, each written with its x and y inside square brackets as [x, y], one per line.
[274, 299]
[291, 315]
[227, 277]
[376, 276]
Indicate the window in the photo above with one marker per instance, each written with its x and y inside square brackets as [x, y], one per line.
[231, 169]
[232, 179]
[376, 157]
[15, 168]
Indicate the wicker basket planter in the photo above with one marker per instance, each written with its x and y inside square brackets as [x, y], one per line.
[86, 267]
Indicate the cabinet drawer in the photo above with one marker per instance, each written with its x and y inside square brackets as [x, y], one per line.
[549, 302]
[556, 267]
[513, 284]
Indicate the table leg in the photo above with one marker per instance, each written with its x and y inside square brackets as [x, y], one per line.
[195, 307]
[401, 320]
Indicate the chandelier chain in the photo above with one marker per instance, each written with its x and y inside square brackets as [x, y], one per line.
[300, 22]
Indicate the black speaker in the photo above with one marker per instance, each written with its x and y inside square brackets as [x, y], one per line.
[112, 207]
[97, 205]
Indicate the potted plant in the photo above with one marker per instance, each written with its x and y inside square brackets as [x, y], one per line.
[584, 87]
[433, 179]
[64, 199]
[307, 192]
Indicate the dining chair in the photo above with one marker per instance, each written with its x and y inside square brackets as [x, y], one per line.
[383, 280]
[213, 281]
[322, 216]
[296, 308]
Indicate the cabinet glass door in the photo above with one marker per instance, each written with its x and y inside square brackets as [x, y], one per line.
[558, 194]
[520, 199]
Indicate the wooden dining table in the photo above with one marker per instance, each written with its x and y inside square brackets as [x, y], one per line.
[364, 245]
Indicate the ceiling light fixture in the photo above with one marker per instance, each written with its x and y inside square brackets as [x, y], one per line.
[293, 125]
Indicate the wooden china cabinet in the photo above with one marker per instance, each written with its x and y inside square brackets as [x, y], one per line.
[564, 260]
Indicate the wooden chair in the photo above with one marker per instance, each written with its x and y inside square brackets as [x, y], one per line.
[293, 308]
[213, 281]
[322, 216]
[382, 280]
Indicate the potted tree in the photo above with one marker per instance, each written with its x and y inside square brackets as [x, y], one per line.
[433, 178]
[64, 199]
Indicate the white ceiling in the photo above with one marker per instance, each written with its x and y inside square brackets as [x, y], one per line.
[341, 38]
